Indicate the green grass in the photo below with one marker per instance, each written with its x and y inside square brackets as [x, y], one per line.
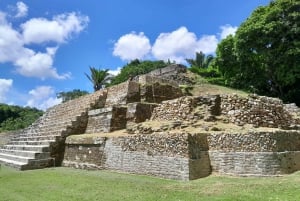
[70, 184]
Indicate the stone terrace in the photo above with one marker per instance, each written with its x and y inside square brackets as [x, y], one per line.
[147, 126]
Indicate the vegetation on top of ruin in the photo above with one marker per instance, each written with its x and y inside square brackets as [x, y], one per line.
[70, 95]
[137, 67]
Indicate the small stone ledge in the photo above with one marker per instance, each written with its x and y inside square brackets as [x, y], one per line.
[255, 141]
[81, 165]
[85, 139]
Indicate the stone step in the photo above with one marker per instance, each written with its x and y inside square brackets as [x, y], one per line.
[21, 159]
[34, 133]
[37, 138]
[32, 164]
[29, 154]
[38, 164]
[12, 163]
[37, 148]
[41, 142]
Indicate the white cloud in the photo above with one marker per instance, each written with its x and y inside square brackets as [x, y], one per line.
[29, 62]
[42, 97]
[22, 9]
[5, 85]
[2, 18]
[132, 46]
[39, 65]
[115, 72]
[227, 30]
[207, 44]
[11, 44]
[174, 46]
[59, 29]
[181, 44]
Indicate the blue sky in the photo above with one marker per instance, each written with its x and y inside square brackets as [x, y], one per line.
[47, 46]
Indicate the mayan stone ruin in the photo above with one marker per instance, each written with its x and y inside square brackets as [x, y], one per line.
[149, 126]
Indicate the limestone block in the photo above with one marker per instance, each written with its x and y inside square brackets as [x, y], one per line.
[106, 119]
[139, 112]
[123, 93]
[156, 93]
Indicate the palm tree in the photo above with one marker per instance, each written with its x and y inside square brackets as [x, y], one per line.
[201, 60]
[98, 77]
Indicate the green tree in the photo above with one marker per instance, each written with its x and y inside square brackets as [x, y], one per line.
[201, 60]
[203, 65]
[137, 67]
[226, 61]
[266, 51]
[70, 95]
[98, 77]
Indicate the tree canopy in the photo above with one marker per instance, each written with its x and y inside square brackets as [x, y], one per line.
[264, 55]
[15, 117]
[98, 77]
[201, 60]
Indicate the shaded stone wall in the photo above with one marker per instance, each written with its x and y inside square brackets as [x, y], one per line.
[85, 153]
[257, 110]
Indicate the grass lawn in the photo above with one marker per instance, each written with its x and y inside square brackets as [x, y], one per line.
[70, 184]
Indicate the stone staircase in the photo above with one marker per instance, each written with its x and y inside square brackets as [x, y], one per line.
[42, 144]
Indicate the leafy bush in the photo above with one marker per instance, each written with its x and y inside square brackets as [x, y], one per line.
[209, 72]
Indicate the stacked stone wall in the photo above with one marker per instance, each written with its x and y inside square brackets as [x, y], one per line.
[257, 110]
[174, 73]
[158, 155]
[185, 156]
[256, 153]
[173, 110]
[85, 153]
[254, 141]
[106, 119]
[148, 80]
[139, 112]
[188, 108]
[123, 93]
[157, 92]
[142, 162]
[169, 70]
